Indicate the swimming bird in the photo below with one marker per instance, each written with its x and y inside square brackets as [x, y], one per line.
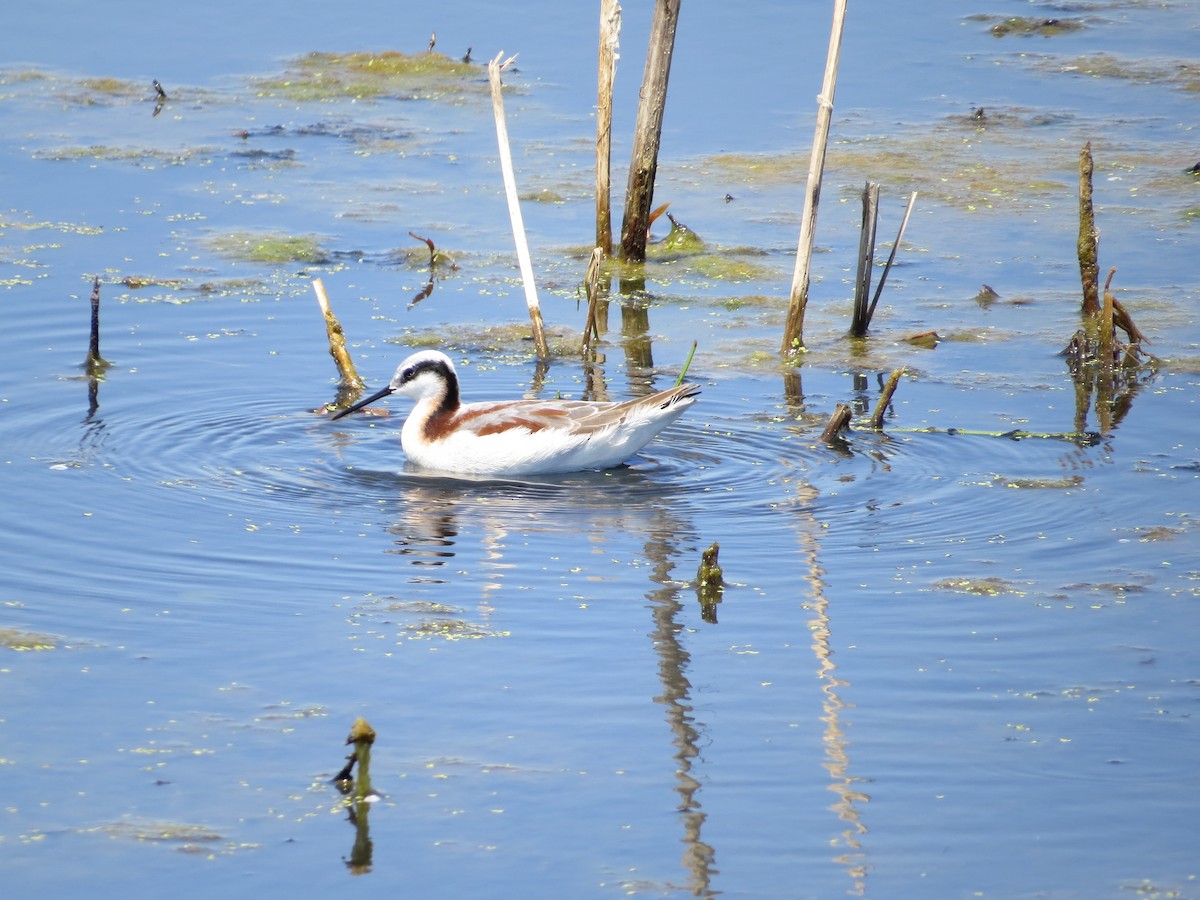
[519, 437]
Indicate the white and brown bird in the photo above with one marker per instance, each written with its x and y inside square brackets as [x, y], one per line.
[519, 437]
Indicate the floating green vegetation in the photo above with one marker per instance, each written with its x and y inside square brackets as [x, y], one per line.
[137, 282]
[448, 629]
[1158, 533]
[270, 248]
[1181, 74]
[229, 287]
[333, 76]
[690, 258]
[433, 620]
[1030, 26]
[544, 195]
[15, 639]
[1039, 483]
[950, 170]
[22, 76]
[981, 587]
[144, 156]
[187, 838]
[63, 227]
[113, 87]
[514, 339]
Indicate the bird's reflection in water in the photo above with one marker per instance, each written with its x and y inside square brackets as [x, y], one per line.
[434, 517]
[428, 531]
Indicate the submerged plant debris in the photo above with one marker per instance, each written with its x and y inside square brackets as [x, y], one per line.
[183, 836]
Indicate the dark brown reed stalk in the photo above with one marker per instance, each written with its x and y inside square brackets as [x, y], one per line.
[1089, 271]
[866, 259]
[647, 133]
[838, 422]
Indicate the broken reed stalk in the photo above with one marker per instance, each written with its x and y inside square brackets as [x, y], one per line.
[362, 736]
[610, 32]
[912, 199]
[885, 399]
[793, 330]
[1107, 354]
[647, 132]
[866, 259]
[591, 281]
[1089, 271]
[337, 342]
[94, 363]
[514, 207]
[838, 422]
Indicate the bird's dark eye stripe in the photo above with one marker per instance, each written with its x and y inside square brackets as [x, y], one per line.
[425, 365]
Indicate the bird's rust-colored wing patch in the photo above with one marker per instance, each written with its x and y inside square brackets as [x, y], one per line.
[496, 418]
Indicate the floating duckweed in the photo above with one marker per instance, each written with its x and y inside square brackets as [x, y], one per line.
[927, 162]
[14, 639]
[142, 155]
[270, 248]
[1040, 483]
[1028, 26]
[1182, 74]
[158, 832]
[330, 76]
[509, 338]
[545, 195]
[113, 86]
[983, 587]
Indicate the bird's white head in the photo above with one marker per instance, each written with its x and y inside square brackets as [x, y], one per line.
[427, 373]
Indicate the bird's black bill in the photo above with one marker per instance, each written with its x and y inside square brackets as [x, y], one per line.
[378, 395]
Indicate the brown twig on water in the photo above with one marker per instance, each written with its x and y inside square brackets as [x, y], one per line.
[429, 244]
[436, 260]
[838, 422]
[514, 207]
[885, 399]
[610, 32]
[1089, 237]
[350, 381]
[647, 133]
[793, 330]
[1121, 317]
